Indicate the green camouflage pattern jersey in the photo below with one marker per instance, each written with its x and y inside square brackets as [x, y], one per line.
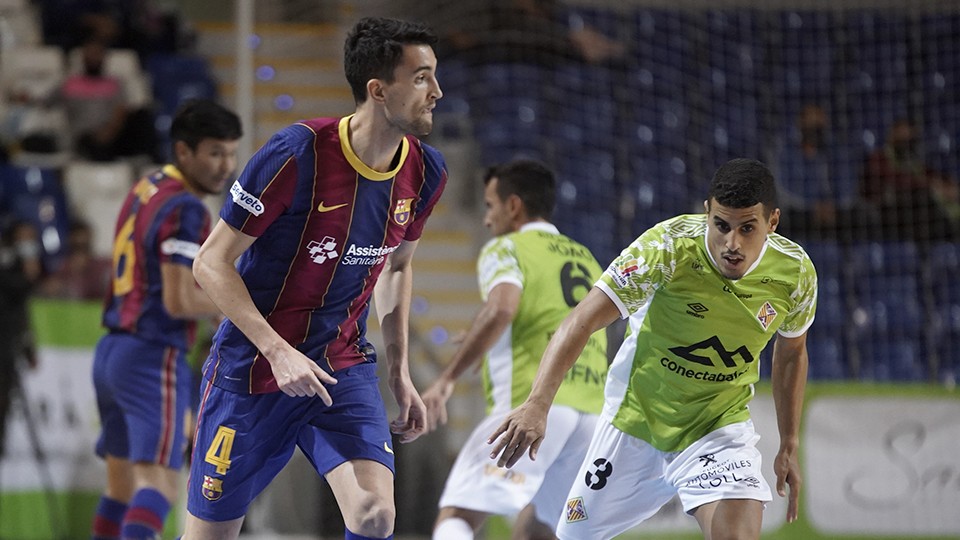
[555, 273]
[691, 355]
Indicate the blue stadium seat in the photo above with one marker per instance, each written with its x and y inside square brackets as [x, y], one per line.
[659, 125]
[661, 188]
[869, 259]
[592, 172]
[804, 55]
[826, 357]
[36, 195]
[664, 52]
[877, 47]
[890, 360]
[597, 230]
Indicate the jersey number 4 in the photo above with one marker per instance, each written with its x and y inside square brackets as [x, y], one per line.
[219, 452]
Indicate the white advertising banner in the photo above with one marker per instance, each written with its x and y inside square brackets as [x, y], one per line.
[882, 465]
[62, 426]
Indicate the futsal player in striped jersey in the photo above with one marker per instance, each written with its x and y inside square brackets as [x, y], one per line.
[143, 383]
[325, 217]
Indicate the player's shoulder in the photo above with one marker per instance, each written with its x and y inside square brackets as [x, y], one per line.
[432, 158]
[684, 226]
[788, 248]
[503, 243]
[304, 134]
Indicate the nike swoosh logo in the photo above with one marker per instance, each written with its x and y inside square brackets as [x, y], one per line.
[323, 208]
[387, 448]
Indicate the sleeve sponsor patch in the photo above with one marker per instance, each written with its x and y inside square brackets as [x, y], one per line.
[245, 200]
[172, 246]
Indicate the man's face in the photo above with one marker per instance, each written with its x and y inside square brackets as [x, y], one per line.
[735, 236]
[209, 167]
[411, 97]
[498, 217]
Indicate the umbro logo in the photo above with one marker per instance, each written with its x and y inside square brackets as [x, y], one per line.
[696, 309]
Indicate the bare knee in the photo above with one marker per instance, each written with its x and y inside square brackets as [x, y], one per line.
[374, 517]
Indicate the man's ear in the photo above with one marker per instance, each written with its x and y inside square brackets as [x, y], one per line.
[706, 206]
[375, 90]
[180, 151]
[514, 205]
[774, 219]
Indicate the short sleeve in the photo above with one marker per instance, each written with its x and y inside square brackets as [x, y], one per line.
[265, 188]
[435, 179]
[498, 264]
[181, 230]
[642, 267]
[804, 298]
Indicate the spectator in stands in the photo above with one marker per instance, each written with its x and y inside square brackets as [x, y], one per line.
[20, 268]
[914, 202]
[808, 203]
[82, 276]
[102, 126]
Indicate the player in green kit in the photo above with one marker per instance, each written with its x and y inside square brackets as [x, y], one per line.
[531, 277]
[703, 295]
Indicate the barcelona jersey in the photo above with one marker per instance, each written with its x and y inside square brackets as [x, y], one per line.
[325, 223]
[160, 222]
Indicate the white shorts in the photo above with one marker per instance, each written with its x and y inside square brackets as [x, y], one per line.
[476, 483]
[624, 480]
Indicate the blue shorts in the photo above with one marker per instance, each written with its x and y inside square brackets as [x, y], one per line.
[244, 440]
[143, 392]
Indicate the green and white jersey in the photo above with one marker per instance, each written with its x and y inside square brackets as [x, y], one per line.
[690, 358]
[555, 273]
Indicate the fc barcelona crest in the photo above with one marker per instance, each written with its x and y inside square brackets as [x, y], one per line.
[212, 488]
[401, 212]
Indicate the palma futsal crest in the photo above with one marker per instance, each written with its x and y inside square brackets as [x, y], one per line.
[402, 211]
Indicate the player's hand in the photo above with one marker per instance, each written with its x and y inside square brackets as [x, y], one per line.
[787, 468]
[298, 376]
[523, 428]
[435, 399]
[412, 420]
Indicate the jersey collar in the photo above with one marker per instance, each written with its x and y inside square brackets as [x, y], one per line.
[361, 167]
[539, 226]
[717, 266]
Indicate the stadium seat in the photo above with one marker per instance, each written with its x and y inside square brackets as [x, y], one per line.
[95, 192]
[36, 195]
[803, 53]
[877, 47]
[869, 259]
[826, 357]
[34, 72]
[884, 360]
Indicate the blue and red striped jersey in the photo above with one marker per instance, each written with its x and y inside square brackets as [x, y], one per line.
[325, 223]
[160, 222]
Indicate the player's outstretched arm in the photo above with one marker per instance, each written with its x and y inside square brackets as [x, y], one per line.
[525, 426]
[789, 378]
[392, 295]
[214, 270]
[492, 319]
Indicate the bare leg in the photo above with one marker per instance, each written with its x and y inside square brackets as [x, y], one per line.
[730, 519]
[364, 491]
[528, 527]
[199, 529]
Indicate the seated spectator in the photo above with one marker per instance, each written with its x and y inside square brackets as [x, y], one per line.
[102, 126]
[807, 197]
[914, 202]
[82, 275]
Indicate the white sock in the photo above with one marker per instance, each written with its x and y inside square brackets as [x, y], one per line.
[453, 529]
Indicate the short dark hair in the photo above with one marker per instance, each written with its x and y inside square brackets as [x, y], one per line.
[200, 119]
[530, 180]
[374, 47]
[742, 183]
